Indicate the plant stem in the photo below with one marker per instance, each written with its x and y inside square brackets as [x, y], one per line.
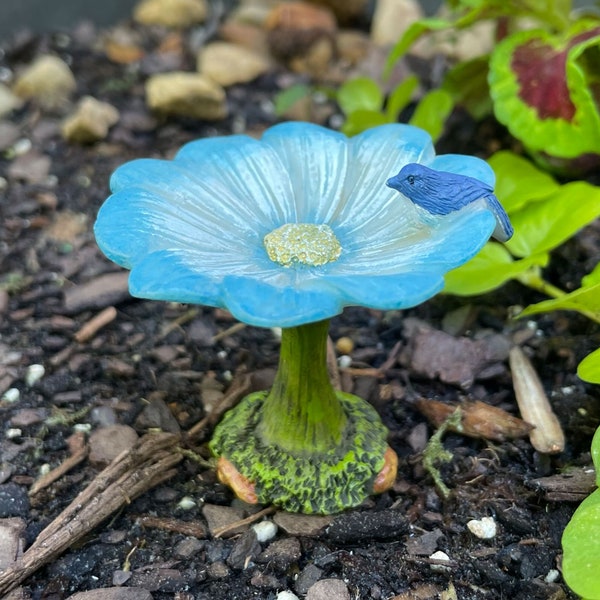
[534, 280]
[302, 414]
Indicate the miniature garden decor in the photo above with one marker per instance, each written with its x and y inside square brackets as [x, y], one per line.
[285, 232]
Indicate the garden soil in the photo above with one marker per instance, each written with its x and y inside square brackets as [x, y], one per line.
[157, 366]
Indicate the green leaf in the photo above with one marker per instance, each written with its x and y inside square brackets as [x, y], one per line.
[519, 181]
[544, 122]
[411, 35]
[591, 278]
[432, 111]
[361, 93]
[585, 300]
[400, 97]
[490, 269]
[467, 83]
[360, 120]
[589, 370]
[581, 540]
[287, 98]
[581, 549]
[542, 226]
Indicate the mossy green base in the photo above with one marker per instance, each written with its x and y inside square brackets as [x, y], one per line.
[311, 483]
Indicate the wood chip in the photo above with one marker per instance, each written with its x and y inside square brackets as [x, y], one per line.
[479, 420]
[548, 436]
[92, 327]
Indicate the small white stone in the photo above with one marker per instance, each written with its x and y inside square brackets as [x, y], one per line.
[33, 374]
[265, 531]
[285, 595]
[13, 433]
[186, 503]
[484, 528]
[82, 427]
[45, 469]
[441, 557]
[344, 361]
[552, 576]
[11, 395]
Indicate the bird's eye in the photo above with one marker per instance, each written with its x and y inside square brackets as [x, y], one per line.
[411, 179]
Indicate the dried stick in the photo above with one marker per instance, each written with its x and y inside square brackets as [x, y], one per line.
[238, 389]
[64, 467]
[96, 323]
[133, 472]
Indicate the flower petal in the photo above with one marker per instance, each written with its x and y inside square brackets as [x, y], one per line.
[433, 242]
[316, 159]
[259, 303]
[465, 165]
[389, 292]
[375, 156]
[166, 275]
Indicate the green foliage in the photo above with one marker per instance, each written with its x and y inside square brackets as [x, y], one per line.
[544, 215]
[581, 540]
[364, 104]
[558, 119]
[589, 367]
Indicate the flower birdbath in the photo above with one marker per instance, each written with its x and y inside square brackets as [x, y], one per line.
[285, 232]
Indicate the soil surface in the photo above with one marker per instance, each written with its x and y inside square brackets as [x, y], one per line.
[159, 366]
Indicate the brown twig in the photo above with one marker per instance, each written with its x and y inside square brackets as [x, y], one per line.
[191, 528]
[58, 472]
[91, 327]
[133, 472]
[242, 522]
[238, 389]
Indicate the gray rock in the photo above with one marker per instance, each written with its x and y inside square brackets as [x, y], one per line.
[282, 553]
[221, 516]
[90, 122]
[301, 525]
[307, 578]
[178, 14]
[328, 589]
[106, 443]
[103, 291]
[187, 95]
[245, 550]
[157, 415]
[48, 80]
[188, 547]
[11, 542]
[228, 64]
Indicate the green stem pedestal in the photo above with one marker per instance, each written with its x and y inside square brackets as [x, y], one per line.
[303, 445]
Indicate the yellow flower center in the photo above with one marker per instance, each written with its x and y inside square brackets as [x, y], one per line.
[304, 243]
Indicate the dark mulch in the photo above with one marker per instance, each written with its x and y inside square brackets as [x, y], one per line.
[152, 351]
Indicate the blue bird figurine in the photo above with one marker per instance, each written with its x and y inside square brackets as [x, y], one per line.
[441, 192]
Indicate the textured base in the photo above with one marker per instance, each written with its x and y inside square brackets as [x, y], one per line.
[322, 483]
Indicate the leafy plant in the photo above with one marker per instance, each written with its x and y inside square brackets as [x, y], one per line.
[543, 82]
[544, 214]
[364, 104]
[581, 540]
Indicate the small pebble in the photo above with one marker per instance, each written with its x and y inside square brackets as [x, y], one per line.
[11, 395]
[186, 503]
[484, 528]
[328, 589]
[552, 576]
[33, 374]
[440, 557]
[265, 531]
[344, 361]
[344, 345]
[285, 595]
[13, 433]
